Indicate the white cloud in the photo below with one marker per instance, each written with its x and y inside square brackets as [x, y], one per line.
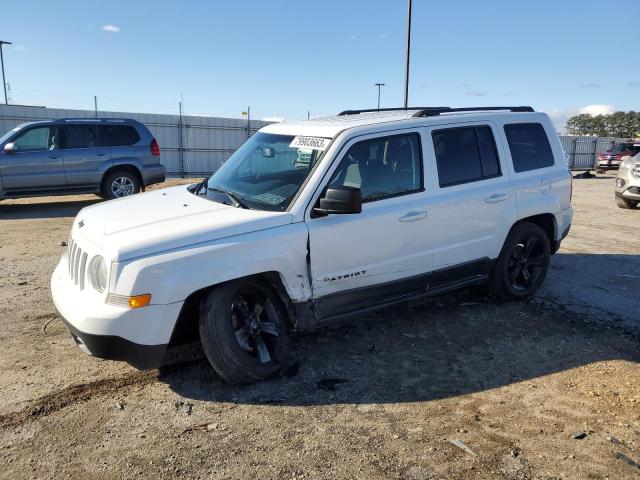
[559, 117]
[476, 93]
[273, 119]
[594, 110]
[110, 28]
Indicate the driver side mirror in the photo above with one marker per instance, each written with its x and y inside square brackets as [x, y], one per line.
[340, 200]
[10, 148]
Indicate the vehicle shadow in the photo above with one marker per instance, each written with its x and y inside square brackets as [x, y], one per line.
[444, 347]
[50, 209]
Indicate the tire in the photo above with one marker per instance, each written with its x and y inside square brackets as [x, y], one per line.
[600, 171]
[623, 203]
[234, 339]
[120, 183]
[526, 248]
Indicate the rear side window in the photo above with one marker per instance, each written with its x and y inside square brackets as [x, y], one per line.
[465, 154]
[119, 135]
[79, 136]
[529, 146]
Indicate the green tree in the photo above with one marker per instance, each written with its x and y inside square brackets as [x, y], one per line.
[617, 124]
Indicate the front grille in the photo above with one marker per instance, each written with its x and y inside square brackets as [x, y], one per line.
[77, 264]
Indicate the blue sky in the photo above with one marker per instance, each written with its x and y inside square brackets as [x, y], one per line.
[284, 58]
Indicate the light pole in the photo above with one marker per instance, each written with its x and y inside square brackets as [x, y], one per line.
[379, 85]
[4, 83]
[406, 65]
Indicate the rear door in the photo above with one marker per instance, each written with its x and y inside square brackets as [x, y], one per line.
[37, 162]
[85, 155]
[475, 202]
[120, 140]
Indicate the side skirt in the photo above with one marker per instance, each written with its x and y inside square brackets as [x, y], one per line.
[343, 306]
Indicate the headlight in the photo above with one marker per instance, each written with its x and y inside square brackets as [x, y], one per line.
[98, 273]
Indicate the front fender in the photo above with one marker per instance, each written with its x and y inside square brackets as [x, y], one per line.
[173, 275]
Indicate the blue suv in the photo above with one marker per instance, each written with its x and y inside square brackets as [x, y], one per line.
[113, 157]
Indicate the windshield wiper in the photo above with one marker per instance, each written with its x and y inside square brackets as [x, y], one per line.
[235, 199]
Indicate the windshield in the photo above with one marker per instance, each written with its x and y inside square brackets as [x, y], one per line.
[7, 135]
[265, 173]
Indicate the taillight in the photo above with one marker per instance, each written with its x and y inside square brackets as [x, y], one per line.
[155, 148]
[570, 188]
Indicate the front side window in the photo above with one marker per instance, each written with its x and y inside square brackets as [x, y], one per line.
[79, 136]
[529, 146]
[465, 154]
[265, 173]
[36, 139]
[382, 167]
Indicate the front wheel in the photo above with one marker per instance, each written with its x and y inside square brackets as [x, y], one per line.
[244, 332]
[523, 263]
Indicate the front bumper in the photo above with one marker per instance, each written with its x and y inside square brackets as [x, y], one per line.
[629, 192]
[137, 336]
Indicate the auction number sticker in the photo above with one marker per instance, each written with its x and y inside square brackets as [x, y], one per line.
[314, 143]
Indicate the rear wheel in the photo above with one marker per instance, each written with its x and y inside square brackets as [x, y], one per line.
[523, 262]
[623, 203]
[244, 331]
[120, 183]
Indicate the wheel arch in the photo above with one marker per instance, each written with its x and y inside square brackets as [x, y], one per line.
[186, 328]
[125, 167]
[546, 221]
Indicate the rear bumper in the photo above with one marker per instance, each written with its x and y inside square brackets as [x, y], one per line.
[153, 174]
[610, 164]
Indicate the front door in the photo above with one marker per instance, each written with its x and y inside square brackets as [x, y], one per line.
[383, 252]
[36, 164]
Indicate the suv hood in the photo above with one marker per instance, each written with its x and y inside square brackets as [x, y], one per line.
[165, 219]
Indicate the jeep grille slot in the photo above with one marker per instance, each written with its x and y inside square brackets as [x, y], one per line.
[77, 264]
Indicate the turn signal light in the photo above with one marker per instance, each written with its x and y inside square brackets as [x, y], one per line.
[136, 301]
[140, 300]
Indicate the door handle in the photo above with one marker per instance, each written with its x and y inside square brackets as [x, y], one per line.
[100, 154]
[413, 216]
[496, 197]
[54, 155]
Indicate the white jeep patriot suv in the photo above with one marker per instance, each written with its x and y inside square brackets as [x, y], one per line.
[316, 221]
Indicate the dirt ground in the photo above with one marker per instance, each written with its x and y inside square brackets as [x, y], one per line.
[381, 398]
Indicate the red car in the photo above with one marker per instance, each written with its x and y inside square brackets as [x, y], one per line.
[611, 159]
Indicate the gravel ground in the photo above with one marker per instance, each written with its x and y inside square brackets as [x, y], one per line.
[511, 384]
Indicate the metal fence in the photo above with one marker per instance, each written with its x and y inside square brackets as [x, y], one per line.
[582, 152]
[197, 146]
[190, 145]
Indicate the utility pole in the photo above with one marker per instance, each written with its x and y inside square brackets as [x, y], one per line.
[248, 122]
[308, 114]
[379, 85]
[4, 82]
[406, 66]
[95, 105]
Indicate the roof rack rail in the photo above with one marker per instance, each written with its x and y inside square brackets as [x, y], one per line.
[370, 110]
[93, 119]
[435, 111]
